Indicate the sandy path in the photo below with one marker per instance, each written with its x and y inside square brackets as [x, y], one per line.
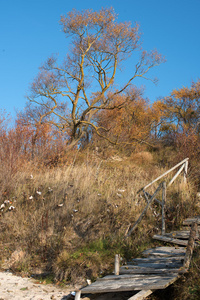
[18, 288]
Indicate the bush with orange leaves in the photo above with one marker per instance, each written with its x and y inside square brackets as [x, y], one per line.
[131, 121]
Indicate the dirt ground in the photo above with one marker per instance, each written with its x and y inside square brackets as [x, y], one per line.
[18, 288]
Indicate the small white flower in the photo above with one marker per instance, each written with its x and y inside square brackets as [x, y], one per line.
[99, 195]
[88, 281]
[119, 195]
[155, 213]
[6, 201]
[31, 176]
[2, 206]
[75, 210]
[11, 207]
[60, 205]
[121, 191]
[31, 198]
[50, 190]
[39, 193]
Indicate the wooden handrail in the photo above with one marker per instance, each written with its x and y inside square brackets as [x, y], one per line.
[144, 211]
[167, 172]
[184, 165]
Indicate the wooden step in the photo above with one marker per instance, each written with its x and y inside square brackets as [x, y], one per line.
[191, 220]
[164, 238]
[155, 265]
[154, 259]
[182, 234]
[114, 283]
[165, 251]
[143, 270]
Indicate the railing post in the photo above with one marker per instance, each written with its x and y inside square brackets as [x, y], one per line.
[163, 206]
[78, 295]
[185, 172]
[117, 264]
[190, 246]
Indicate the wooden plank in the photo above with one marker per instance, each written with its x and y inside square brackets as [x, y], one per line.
[141, 295]
[183, 234]
[151, 282]
[190, 247]
[156, 259]
[165, 251]
[188, 227]
[189, 221]
[154, 265]
[130, 276]
[170, 240]
[142, 270]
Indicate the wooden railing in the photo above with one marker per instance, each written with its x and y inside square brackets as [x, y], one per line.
[163, 185]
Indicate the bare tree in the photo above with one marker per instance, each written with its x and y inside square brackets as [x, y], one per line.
[72, 93]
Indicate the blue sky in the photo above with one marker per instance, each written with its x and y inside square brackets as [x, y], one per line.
[30, 32]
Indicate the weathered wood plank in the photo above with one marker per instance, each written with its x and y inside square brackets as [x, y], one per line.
[188, 227]
[153, 282]
[165, 251]
[170, 240]
[158, 259]
[142, 270]
[190, 246]
[141, 295]
[183, 234]
[189, 221]
[131, 276]
[154, 265]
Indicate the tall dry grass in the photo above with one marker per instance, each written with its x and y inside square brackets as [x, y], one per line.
[70, 220]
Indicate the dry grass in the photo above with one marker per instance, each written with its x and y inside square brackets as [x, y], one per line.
[71, 220]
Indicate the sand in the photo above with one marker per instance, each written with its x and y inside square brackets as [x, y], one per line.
[18, 288]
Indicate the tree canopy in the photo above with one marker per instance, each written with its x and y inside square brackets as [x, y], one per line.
[70, 94]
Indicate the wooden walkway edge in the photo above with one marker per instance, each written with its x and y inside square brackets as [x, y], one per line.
[157, 269]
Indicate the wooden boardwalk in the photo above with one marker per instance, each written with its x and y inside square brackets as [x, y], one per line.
[156, 269]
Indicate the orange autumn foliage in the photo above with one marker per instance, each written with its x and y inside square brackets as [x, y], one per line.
[182, 108]
[132, 121]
